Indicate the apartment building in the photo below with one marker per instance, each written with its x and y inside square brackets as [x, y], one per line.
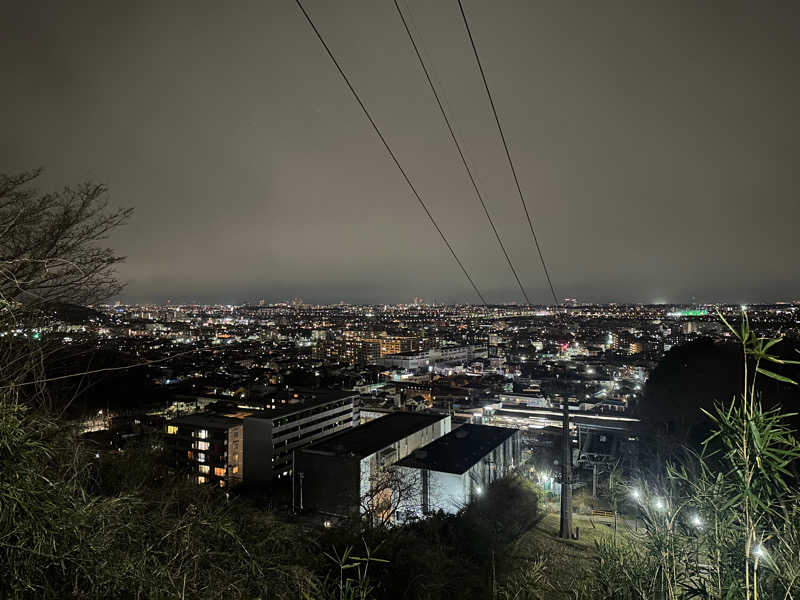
[208, 448]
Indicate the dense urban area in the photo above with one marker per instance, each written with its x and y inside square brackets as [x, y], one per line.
[504, 366]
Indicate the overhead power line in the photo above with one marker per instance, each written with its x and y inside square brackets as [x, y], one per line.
[460, 151]
[389, 149]
[508, 154]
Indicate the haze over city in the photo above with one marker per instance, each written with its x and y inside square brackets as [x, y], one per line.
[656, 146]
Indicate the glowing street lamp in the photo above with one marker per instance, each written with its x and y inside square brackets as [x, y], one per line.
[636, 494]
[697, 521]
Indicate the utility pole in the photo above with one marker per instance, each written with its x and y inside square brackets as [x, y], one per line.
[566, 530]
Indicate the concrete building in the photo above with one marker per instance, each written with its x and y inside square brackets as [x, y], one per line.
[335, 474]
[412, 361]
[456, 353]
[456, 468]
[363, 350]
[208, 448]
[288, 424]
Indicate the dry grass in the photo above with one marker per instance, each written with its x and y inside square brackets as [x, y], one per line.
[568, 564]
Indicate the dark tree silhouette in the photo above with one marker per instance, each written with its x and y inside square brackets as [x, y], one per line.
[48, 242]
[692, 378]
[50, 256]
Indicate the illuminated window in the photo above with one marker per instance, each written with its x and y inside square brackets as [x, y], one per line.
[205, 469]
[219, 471]
[235, 469]
[202, 445]
[201, 479]
[201, 457]
[190, 454]
[171, 429]
[202, 434]
[221, 483]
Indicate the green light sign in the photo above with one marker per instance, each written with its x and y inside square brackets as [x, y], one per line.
[689, 312]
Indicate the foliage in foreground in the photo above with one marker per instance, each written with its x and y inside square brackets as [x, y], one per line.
[60, 538]
[726, 524]
[77, 525]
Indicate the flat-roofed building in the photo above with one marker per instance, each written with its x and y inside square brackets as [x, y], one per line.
[254, 440]
[435, 356]
[208, 448]
[288, 422]
[334, 475]
[453, 470]
[410, 361]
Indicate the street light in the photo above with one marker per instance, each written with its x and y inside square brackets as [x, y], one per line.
[697, 521]
[636, 494]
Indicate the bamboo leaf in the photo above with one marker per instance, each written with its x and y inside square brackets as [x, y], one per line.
[728, 325]
[776, 376]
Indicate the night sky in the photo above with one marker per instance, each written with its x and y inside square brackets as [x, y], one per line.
[657, 144]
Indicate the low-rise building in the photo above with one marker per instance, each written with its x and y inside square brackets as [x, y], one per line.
[335, 475]
[416, 360]
[453, 470]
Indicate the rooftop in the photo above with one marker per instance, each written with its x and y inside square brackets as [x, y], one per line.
[367, 439]
[282, 403]
[459, 450]
[207, 421]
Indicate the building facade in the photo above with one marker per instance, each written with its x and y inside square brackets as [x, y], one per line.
[273, 434]
[207, 448]
[452, 471]
[335, 475]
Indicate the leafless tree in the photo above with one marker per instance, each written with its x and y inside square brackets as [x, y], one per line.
[49, 248]
[50, 254]
[393, 492]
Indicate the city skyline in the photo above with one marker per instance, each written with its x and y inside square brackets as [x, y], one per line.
[655, 145]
